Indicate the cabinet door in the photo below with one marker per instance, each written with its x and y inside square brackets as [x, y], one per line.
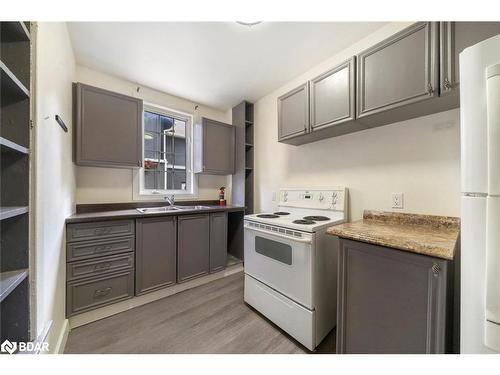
[218, 140]
[293, 113]
[454, 38]
[218, 241]
[332, 96]
[390, 301]
[193, 246]
[398, 71]
[108, 128]
[156, 240]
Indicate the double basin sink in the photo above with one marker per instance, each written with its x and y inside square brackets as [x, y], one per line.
[169, 208]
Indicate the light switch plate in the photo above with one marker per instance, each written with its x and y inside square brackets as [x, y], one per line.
[397, 200]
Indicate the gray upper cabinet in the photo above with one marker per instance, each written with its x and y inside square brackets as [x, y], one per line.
[214, 146]
[398, 71]
[108, 128]
[391, 301]
[454, 38]
[156, 248]
[332, 96]
[218, 241]
[193, 237]
[293, 113]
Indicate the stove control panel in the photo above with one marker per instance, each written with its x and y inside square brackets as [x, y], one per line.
[333, 199]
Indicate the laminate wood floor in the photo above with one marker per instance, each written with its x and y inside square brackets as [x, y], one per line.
[211, 318]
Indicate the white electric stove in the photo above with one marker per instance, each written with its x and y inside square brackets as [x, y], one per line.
[291, 263]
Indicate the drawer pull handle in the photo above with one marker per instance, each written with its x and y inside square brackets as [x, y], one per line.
[99, 231]
[98, 249]
[102, 292]
[102, 266]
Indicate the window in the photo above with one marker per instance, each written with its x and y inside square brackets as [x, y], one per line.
[167, 152]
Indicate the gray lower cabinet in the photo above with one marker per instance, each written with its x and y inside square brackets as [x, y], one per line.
[332, 96]
[391, 301]
[454, 38]
[218, 241]
[398, 71]
[193, 246]
[214, 147]
[293, 113]
[100, 264]
[156, 248]
[112, 260]
[108, 128]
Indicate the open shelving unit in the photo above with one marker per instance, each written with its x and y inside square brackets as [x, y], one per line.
[242, 190]
[15, 85]
[242, 185]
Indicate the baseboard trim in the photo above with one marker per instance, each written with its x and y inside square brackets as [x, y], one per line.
[104, 312]
[62, 338]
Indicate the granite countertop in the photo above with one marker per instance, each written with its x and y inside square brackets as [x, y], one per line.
[132, 213]
[435, 236]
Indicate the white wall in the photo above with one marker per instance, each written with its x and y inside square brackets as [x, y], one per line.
[55, 177]
[105, 185]
[419, 157]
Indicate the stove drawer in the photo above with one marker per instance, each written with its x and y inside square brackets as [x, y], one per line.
[296, 320]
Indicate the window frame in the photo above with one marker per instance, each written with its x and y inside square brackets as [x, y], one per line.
[140, 193]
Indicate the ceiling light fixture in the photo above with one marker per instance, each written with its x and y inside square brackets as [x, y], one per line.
[248, 24]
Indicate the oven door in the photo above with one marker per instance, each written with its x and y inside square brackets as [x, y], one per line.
[282, 262]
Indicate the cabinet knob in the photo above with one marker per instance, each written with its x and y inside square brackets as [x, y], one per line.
[435, 269]
[447, 84]
[430, 89]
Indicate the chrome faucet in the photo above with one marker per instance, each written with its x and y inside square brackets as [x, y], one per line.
[170, 199]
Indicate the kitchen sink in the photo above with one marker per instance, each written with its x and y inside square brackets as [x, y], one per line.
[157, 209]
[169, 208]
[192, 207]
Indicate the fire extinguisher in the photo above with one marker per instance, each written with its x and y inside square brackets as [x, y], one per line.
[222, 201]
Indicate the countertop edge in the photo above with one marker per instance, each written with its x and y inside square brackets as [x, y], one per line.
[122, 214]
[375, 241]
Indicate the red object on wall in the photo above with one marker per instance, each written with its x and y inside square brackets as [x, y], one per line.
[222, 201]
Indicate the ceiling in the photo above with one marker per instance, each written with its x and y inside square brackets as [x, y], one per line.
[213, 63]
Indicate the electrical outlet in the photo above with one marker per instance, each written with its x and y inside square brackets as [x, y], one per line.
[397, 200]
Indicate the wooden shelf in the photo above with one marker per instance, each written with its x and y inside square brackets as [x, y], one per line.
[13, 85]
[15, 32]
[9, 146]
[11, 211]
[10, 280]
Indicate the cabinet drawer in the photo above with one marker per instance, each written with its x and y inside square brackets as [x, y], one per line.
[99, 266]
[88, 294]
[91, 249]
[102, 229]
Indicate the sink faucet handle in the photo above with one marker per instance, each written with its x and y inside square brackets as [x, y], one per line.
[170, 199]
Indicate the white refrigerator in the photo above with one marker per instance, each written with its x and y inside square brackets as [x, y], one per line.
[480, 205]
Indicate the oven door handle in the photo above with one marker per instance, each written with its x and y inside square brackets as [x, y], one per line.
[303, 240]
